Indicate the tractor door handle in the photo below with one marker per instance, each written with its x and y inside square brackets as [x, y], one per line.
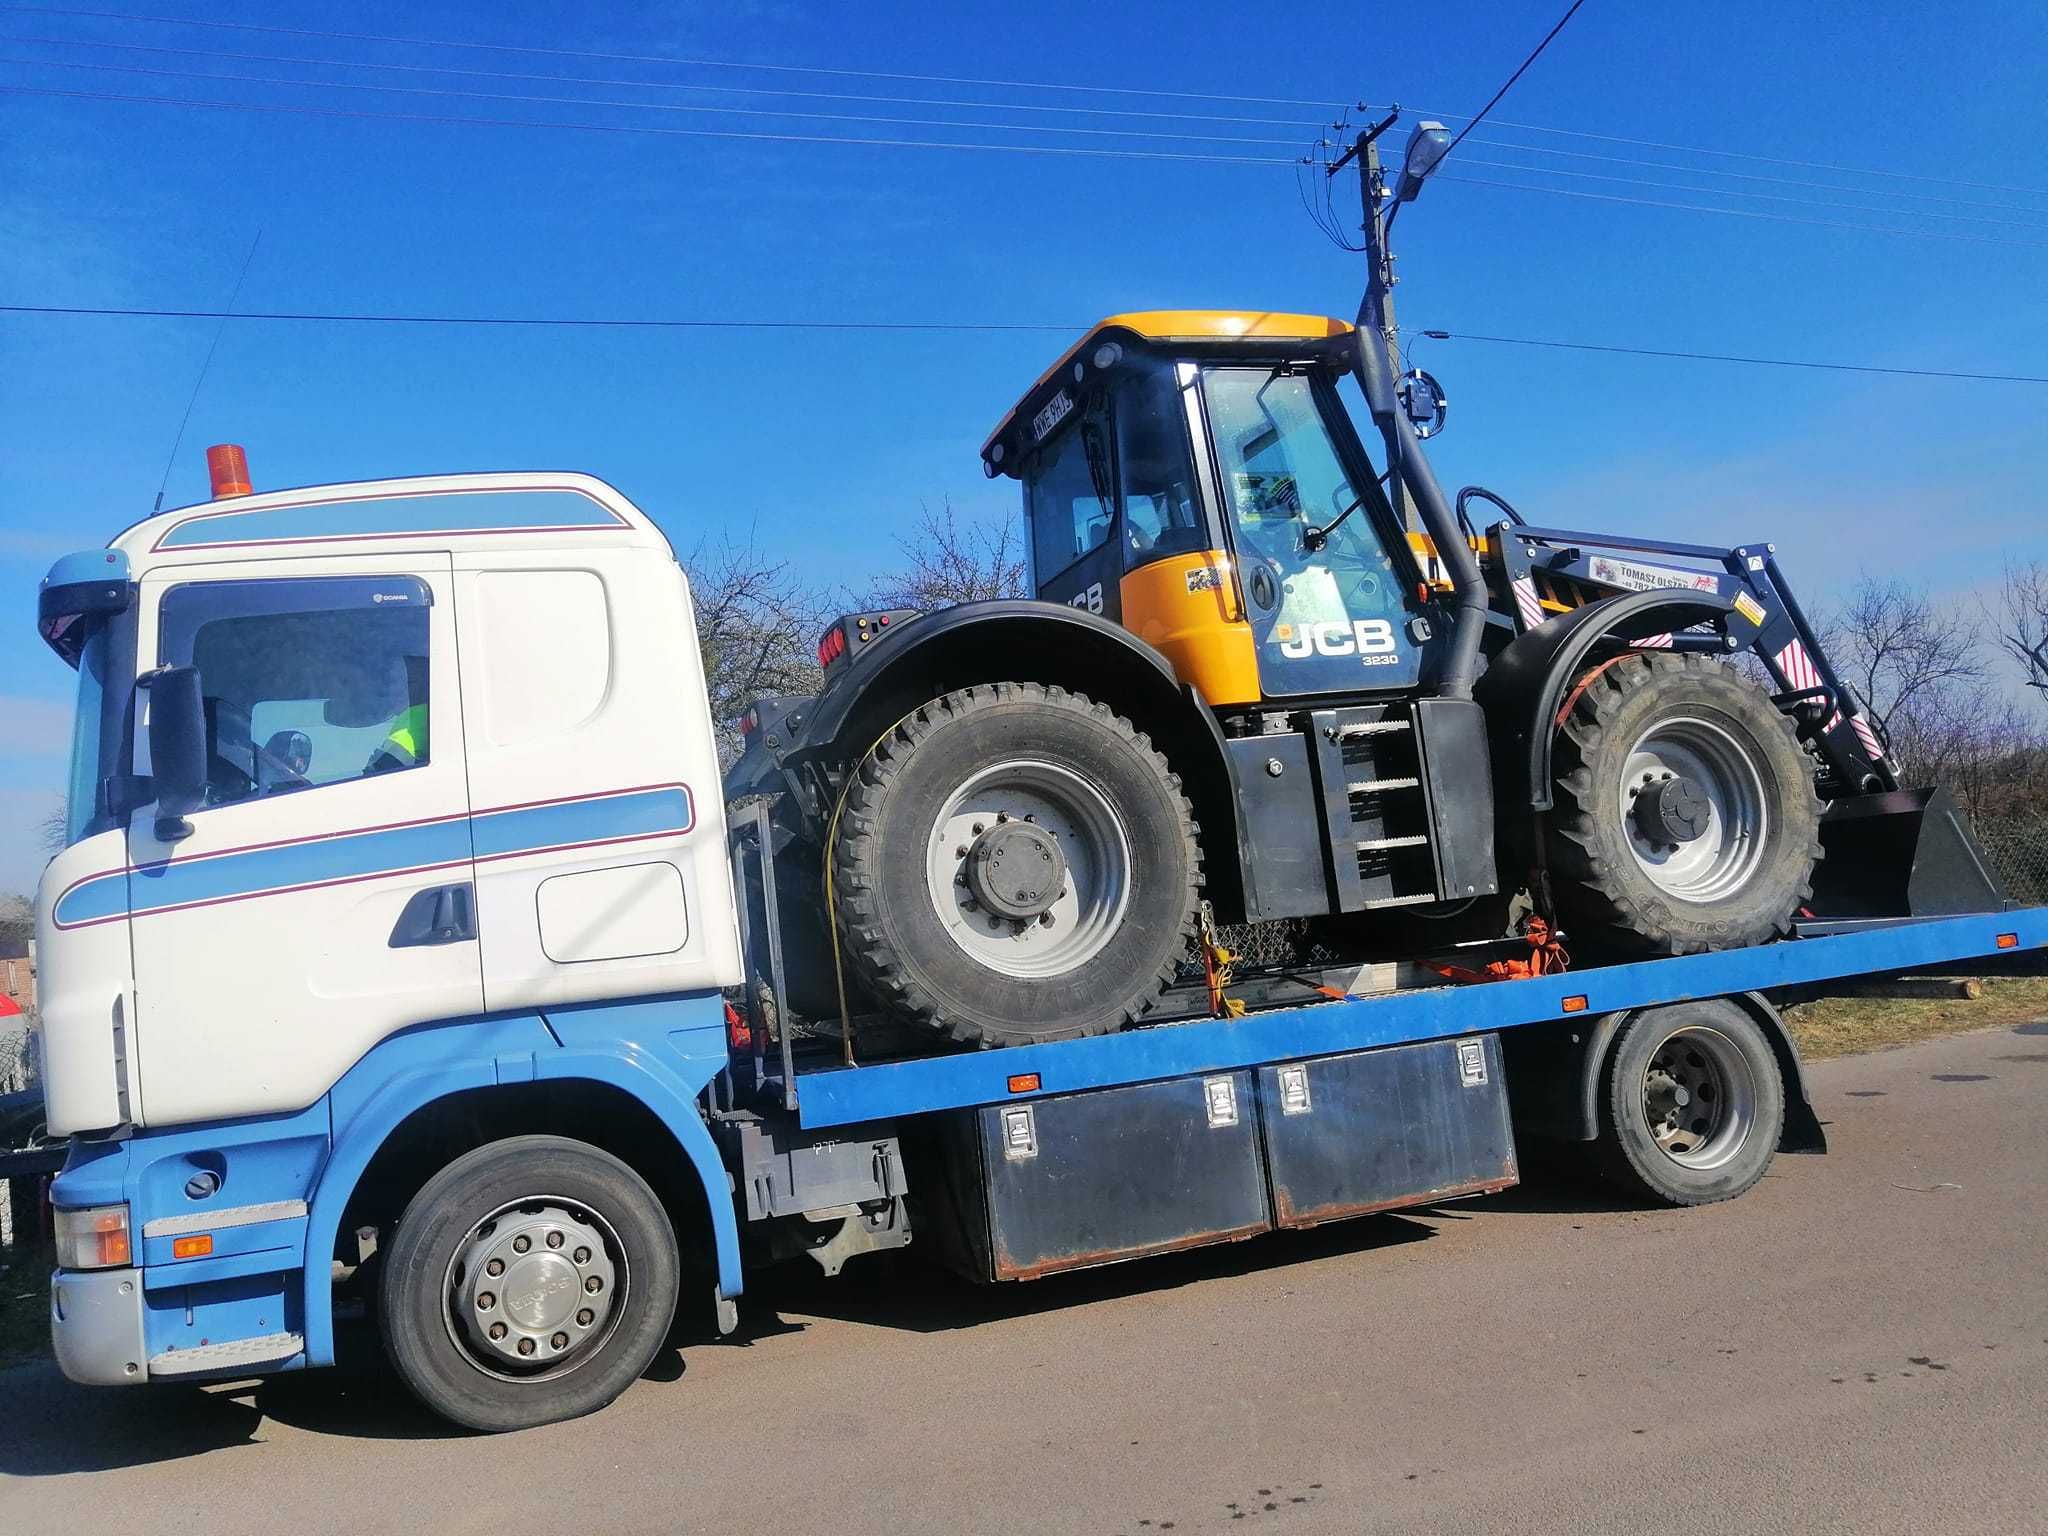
[442, 914]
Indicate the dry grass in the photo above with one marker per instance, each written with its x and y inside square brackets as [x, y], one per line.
[1841, 1026]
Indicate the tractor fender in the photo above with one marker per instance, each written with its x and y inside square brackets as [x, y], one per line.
[1579, 1114]
[1033, 642]
[1524, 686]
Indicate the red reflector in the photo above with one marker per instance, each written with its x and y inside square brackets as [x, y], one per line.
[1575, 1003]
[192, 1247]
[1024, 1082]
[2008, 941]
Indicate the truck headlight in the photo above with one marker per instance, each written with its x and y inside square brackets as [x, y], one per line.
[93, 1237]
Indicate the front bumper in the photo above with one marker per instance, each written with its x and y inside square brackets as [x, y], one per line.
[96, 1326]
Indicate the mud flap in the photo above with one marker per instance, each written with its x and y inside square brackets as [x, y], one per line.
[1904, 853]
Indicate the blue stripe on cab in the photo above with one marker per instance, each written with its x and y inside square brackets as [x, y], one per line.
[393, 516]
[367, 855]
[642, 813]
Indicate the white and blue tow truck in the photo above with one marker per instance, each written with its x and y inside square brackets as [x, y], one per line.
[403, 956]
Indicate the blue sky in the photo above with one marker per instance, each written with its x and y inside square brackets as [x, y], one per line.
[827, 442]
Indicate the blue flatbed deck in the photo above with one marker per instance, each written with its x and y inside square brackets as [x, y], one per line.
[849, 1095]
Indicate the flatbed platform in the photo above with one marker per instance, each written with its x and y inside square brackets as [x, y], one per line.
[842, 1095]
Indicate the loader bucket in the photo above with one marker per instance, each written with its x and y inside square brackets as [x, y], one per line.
[1902, 853]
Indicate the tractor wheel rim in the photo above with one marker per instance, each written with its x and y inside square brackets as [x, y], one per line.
[536, 1289]
[1699, 1098]
[1088, 909]
[1723, 858]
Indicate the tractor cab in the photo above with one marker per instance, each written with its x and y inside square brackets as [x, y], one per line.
[1194, 476]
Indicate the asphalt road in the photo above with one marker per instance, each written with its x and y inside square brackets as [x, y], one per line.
[1860, 1343]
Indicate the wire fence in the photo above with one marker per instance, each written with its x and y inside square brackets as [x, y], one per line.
[2018, 850]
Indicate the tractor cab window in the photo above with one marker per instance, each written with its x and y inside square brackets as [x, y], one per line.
[1327, 603]
[1155, 472]
[1069, 495]
[306, 681]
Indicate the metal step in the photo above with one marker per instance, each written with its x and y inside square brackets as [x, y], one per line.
[1371, 786]
[1400, 901]
[1374, 728]
[233, 1354]
[1373, 844]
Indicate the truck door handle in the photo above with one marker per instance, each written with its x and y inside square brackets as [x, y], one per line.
[442, 914]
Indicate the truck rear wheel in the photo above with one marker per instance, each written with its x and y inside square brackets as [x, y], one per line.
[1686, 815]
[530, 1280]
[1692, 1105]
[1015, 863]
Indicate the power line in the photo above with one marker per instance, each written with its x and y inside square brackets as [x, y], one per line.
[1778, 181]
[1775, 197]
[643, 106]
[330, 317]
[652, 85]
[1736, 154]
[1746, 213]
[1755, 362]
[1508, 84]
[645, 58]
[692, 133]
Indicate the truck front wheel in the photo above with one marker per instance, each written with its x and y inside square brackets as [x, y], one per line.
[1692, 1104]
[1015, 863]
[530, 1280]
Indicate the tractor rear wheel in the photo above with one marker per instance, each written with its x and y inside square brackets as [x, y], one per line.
[1015, 863]
[1686, 817]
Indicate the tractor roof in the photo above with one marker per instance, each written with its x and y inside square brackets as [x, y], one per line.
[1200, 327]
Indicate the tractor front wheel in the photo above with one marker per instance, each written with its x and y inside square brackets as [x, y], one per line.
[1686, 817]
[1015, 863]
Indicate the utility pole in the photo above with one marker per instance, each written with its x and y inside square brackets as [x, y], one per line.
[1376, 310]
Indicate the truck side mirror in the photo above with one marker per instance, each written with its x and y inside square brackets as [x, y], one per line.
[177, 748]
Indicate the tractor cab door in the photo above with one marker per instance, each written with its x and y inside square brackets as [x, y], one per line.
[1070, 503]
[1329, 586]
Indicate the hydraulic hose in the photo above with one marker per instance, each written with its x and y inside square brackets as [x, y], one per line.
[1411, 468]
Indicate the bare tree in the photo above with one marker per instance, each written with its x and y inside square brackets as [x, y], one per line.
[757, 627]
[1904, 654]
[2023, 597]
[55, 828]
[951, 561]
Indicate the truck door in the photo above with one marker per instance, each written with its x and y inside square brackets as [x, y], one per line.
[323, 897]
[1330, 601]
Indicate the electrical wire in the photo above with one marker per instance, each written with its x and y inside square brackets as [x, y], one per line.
[692, 133]
[1748, 213]
[643, 106]
[591, 322]
[651, 85]
[1775, 197]
[1509, 83]
[645, 58]
[1755, 362]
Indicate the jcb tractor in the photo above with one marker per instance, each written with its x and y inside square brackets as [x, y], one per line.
[1244, 691]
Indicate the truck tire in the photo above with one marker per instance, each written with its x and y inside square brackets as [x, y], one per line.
[1686, 816]
[1692, 1104]
[530, 1280]
[1015, 863]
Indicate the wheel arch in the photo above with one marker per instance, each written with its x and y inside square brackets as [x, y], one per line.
[1578, 1060]
[1062, 647]
[517, 1074]
[1524, 686]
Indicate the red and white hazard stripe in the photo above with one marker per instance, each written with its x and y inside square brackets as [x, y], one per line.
[1653, 642]
[1804, 676]
[1868, 737]
[1527, 603]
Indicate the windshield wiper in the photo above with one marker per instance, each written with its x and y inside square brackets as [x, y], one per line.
[1314, 538]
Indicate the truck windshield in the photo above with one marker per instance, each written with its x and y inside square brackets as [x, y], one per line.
[99, 732]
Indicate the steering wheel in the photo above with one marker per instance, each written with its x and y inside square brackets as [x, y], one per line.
[1483, 494]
